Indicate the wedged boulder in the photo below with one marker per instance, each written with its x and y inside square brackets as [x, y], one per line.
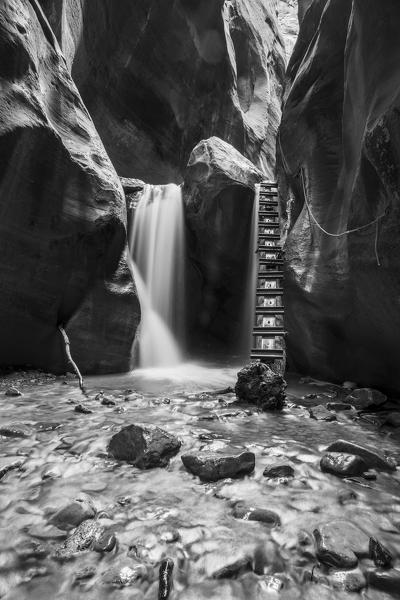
[258, 384]
[362, 398]
[372, 458]
[219, 186]
[212, 467]
[343, 465]
[63, 228]
[145, 446]
[340, 544]
[158, 77]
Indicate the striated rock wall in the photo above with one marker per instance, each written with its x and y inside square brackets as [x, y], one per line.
[339, 135]
[63, 216]
[157, 77]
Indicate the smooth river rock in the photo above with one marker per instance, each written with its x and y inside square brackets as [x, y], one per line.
[277, 471]
[343, 465]
[74, 513]
[212, 467]
[249, 513]
[321, 413]
[372, 458]
[362, 398]
[258, 384]
[340, 543]
[145, 446]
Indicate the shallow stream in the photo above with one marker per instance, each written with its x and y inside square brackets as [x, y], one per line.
[63, 453]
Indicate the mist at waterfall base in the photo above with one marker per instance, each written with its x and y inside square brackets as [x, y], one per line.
[157, 243]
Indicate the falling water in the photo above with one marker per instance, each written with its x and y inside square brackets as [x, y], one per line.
[157, 249]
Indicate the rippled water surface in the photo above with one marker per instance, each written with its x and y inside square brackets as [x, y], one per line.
[64, 453]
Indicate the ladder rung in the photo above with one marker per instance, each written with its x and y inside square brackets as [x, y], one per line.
[270, 310]
[270, 331]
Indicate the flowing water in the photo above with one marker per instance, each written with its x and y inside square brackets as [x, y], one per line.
[157, 249]
[62, 453]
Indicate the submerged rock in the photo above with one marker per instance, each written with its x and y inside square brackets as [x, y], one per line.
[13, 392]
[349, 581]
[340, 543]
[277, 471]
[343, 465]
[258, 384]
[387, 581]
[365, 398]
[16, 430]
[372, 458]
[212, 467]
[74, 513]
[262, 515]
[8, 464]
[321, 413]
[145, 446]
[87, 535]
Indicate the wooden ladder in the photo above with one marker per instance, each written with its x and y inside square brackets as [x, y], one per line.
[268, 338]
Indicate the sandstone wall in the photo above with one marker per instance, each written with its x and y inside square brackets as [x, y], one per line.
[63, 216]
[339, 135]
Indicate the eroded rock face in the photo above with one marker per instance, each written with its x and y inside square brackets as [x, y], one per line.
[219, 197]
[63, 239]
[339, 137]
[157, 77]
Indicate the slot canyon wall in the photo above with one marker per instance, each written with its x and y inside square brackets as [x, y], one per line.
[340, 137]
[62, 227]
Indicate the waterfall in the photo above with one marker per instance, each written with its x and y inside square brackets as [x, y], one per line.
[157, 250]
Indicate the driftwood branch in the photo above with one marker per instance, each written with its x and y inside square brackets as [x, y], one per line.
[70, 359]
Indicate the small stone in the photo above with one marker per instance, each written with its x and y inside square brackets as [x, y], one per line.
[340, 543]
[321, 413]
[170, 537]
[278, 471]
[74, 513]
[372, 458]
[363, 398]
[13, 392]
[107, 401]
[349, 385]
[81, 408]
[7, 465]
[349, 581]
[81, 539]
[145, 446]
[256, 514]
[85, 573]
[258, 384]
[16, 430]
[379, 554]
[338, 406]
[345, 496]
[387, 581]
[105, 542]
[212, 467]
[273, 583]
[342, 465]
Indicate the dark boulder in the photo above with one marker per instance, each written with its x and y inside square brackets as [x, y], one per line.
[212, 467]
[277, 471]
[366, 398]
[340, 543]
[258, 384]
[372, 458]
[145, 446]
[343, 465]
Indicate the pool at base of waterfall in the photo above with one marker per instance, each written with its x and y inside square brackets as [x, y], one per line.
[77, 523]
